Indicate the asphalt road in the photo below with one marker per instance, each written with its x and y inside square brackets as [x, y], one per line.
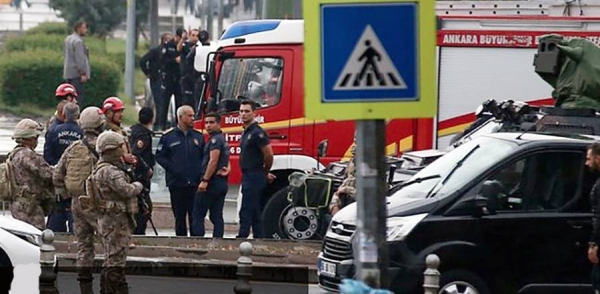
[67, 284]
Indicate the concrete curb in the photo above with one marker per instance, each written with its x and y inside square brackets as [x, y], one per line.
[211, 269]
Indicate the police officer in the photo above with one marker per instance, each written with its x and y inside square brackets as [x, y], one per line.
[57, 142]
[180, 153]
[171, 77]
[141, 145]
[213, 186]
[113, 109]
[150, 65]
[79, 168]
[31, 170]
[188, 73]
[256, 159]
[115, 192]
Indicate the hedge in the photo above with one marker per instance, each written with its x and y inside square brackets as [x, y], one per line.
[119, 59]
[31, 78]
[50, 28]
[96, 46]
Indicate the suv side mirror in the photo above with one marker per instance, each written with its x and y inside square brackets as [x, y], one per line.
[322, 148]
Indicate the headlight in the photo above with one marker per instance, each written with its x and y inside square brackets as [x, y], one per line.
[399, 227]
[31, 238]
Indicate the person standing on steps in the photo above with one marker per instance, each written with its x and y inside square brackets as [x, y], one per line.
[180, 152]
[69, 178]
[256, 159]
[213, 187]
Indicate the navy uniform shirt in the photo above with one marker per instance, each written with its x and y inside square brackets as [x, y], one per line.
[216, 142]
[253, 139]
[181, 156]
[141, 146]
[59, 138]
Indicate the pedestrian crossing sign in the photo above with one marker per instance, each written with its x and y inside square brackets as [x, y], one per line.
[369, 59]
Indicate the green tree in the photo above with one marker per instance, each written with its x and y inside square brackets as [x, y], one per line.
[102, 16]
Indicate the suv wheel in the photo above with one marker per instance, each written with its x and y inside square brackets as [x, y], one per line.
[462, 282]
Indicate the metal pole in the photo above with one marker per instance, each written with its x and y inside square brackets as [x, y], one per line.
[153, 19]
[370, 249]
[173, 19]
[209, 20]
[220, 23]
[264, 9]
[20, 20]
[130, 51]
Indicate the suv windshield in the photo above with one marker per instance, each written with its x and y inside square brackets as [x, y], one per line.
[490, 151]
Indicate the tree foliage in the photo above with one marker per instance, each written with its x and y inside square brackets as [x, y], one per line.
[102, 16]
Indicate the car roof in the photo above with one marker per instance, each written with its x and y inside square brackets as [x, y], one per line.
[523, 137]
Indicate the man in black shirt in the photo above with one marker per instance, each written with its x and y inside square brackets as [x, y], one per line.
[141, 147]
[213, 186]
[256, 159]
[150, 65]
[170, 77]
[188, 73]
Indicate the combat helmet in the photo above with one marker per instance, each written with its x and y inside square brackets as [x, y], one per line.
[91, 118]
[109, 140]
[27, 128]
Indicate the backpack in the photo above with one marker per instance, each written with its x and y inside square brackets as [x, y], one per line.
[81, 161]
[9, 190]
[92, 201]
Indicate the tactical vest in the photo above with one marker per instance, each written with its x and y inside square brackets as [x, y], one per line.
[80, 163]
[9, 190]
[92, 201]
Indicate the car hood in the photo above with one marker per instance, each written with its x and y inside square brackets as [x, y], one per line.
[9, 223]
[396, 206]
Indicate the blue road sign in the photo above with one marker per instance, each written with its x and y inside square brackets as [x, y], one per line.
[369, 52]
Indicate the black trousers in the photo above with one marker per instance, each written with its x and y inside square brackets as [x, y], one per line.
[182, 203]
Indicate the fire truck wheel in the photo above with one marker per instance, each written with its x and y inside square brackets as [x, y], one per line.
[272, 213]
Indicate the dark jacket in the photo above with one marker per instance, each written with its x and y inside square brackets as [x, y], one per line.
[59, 138]
[181, 156]
[168, 65]
[141, 146]
[150, 63]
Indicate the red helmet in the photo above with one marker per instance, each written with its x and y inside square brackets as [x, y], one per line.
[65, 89]
[112, 103]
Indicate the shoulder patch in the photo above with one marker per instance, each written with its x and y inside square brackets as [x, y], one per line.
[140, 144]
[196, 142]
[261, 135]
[213, 140]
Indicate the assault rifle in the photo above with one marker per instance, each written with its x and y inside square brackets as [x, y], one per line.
[144, 207]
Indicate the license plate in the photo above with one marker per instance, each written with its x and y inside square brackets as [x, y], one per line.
[328, 268]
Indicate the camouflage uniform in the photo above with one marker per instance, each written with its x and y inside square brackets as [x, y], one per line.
[347, 189]
[115, 192]
[85, 221]
[34, 176]
[116, 128]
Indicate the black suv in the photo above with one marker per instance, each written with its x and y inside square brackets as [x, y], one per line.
[505, 212]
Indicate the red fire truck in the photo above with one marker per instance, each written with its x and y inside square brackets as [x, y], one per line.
[479, 57]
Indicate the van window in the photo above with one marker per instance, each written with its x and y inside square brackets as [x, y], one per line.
[257, 79]
[539, 182]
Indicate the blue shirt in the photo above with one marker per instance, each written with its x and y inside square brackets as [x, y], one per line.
[181, 155]
[251, 156]
[59, 138]
[216, 142]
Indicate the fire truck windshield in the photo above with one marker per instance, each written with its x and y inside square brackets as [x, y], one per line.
[258, 79]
